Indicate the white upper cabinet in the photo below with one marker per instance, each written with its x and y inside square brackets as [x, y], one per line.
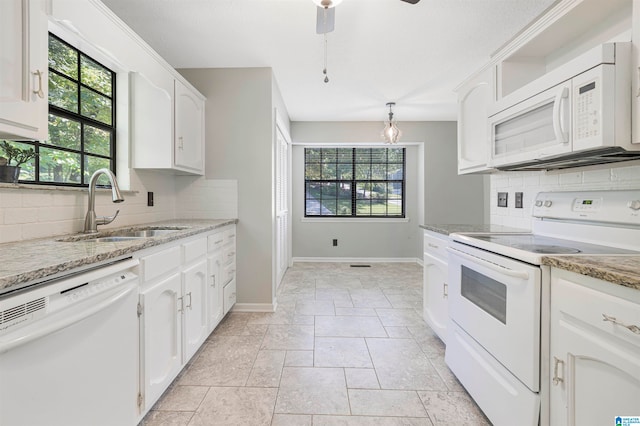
[474, 99]
[189, 129]
[23, 73]
[168, 125]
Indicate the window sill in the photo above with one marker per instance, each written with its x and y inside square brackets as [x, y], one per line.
[355, 219]
[27, 186]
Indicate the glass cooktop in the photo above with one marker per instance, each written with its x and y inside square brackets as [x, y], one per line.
[548, 245]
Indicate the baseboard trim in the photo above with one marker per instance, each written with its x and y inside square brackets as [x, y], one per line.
[254, 307]
[357, 259]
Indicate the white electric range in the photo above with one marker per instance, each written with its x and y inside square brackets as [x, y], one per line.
[499, 296]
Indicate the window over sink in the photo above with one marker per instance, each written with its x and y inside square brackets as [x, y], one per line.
[82, 120]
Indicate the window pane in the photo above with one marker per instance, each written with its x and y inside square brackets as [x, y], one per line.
[363, 208]
[378, 171]
[312, 155]
[63, 58]
[344, 208]
[63, 132]
[363, 171]
[329, 171]
[63, 93]
[59, 166]
[345, 155]
[95, 106]
[395, 173]
[312, 172]
[95, 76]
[329, 207]
[312, 198]
[97, 141]
[379, 155]
[363, 190]
[363, 155]
[92, 164]
[345, 172]
[27, 168]
[329, 155]
[329, 190]
[396, 155]
[394, 191]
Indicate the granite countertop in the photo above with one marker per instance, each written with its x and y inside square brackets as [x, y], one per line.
[621, 270]
[26, 262]
[447, 229]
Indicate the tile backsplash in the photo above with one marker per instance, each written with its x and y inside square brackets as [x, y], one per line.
[27, 213]
[621, 176]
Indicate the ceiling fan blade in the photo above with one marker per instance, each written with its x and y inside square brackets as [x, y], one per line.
[326, 19]
[411, 1]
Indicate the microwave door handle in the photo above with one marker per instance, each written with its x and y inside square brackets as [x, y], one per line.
[559, 124]
[497, 268]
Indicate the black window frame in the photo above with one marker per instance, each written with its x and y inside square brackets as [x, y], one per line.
[81, 119]
[353, 182]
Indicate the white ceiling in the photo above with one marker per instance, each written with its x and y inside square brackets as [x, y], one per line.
[380, 51]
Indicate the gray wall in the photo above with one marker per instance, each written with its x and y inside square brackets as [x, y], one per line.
[438, 196]
[239, 145]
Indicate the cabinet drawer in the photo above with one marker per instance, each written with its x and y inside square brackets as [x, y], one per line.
[160, 263]
[229, 272]
[608, 313]
[230, 236]
[215, 241]
[229, 255]
[229, 295]
[193, 250]
[436, 244]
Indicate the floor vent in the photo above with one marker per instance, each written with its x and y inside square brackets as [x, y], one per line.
[361, 266]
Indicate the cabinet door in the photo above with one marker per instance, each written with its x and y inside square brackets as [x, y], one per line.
[229, 294]
[162, 336]
[195, 308]
[189, 129]
[474, 100]
[435, 294]
[214, 291]
[595, 371]
[23, 74]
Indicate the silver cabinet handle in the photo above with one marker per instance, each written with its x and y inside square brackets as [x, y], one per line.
[189, 305]
[39, 92]
[632, 328]
[556, 379]
[181, 308]
[213, 281]
[445, 290]
[180, 143]
[432, 245]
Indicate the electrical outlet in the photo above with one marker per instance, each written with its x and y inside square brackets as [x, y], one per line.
[335, 242]
[502, 199]
[518, 201]
[150, 199]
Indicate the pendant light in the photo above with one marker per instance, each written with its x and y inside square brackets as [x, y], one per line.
[391, 134]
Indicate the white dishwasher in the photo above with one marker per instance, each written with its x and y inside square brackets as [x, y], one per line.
[69, 350]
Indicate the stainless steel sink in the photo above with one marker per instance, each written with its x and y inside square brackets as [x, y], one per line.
[112, 239]
[124, 235]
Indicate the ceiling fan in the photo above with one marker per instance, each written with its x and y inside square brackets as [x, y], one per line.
[326, 16]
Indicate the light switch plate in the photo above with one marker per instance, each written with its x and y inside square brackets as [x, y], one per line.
[518, 201]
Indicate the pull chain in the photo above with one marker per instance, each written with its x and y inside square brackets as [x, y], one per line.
[324, 71]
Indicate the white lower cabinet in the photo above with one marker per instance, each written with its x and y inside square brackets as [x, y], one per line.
[186, 288]
[595, 351]
[161, 337]
[435, 291]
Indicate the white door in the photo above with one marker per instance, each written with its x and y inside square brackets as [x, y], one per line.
[195, 308]
[214, 291]
[189, 129]
[435, 295]
[162, 330]
[282, 229]
[23, 76]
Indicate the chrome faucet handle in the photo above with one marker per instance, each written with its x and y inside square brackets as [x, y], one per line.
[105, 220]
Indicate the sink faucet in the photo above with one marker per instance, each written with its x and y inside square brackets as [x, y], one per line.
[91, 222]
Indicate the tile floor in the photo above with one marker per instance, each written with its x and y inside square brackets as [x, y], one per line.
[346, 346]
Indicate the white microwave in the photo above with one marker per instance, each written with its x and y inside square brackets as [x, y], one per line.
[583, 120]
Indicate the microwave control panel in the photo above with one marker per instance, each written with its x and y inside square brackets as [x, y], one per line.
[587, 109]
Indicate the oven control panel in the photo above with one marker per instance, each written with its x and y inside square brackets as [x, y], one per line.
[617, 207]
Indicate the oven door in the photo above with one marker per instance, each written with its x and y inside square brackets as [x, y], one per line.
[496, 301]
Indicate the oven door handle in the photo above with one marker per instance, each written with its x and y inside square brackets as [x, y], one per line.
[497, 268]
